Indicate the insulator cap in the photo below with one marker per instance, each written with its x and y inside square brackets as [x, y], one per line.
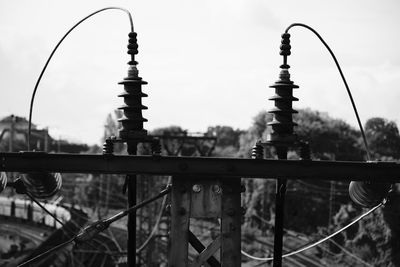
[257, 152]
[133, 45]
[367, 194]
[285, 45]
[108, 147]
[133, 107]
[3, 181]
[283, 98]
[282, 110]
[126, 94]
[42, 184]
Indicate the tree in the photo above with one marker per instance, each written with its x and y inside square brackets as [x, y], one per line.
[227, 140]
[383, 138]
[329, 139]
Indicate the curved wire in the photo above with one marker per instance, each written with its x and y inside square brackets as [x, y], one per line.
[350, 254]
[301, 236]
[155, 227]
[344, 81]
[318, 242]
[26, 263]
[52, 53]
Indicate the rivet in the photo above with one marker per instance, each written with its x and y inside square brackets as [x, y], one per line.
[216, 189]
[196, 188]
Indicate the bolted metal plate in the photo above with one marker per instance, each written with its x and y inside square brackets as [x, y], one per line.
[206, 199]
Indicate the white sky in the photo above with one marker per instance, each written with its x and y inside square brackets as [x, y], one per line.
[207, 62]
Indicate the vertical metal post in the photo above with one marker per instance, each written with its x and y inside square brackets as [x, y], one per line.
[203, 198]
[131, 186]
[180, 212]
[132, 132]
[279, 212]
[281, 138]
[230, 223]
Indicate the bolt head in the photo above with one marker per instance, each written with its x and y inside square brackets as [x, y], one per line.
[196, 188]
[216, 188]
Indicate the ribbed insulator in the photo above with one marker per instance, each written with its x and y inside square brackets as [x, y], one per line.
[132, 119]
[257, 152]
[42, 184]
[367, 194]
[282, 123]
[108, 147]
[3, 181]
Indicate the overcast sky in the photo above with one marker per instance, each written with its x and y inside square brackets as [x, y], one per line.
[207, 62]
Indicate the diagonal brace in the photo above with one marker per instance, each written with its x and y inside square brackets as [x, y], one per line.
[206, 254]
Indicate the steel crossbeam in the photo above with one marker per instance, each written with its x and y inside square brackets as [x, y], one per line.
[227, 167]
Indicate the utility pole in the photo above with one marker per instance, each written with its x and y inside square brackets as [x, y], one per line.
[282, 137]
[132, 132]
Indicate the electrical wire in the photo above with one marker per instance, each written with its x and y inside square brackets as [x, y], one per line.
[48, 212]
[318, 242]
[52, 53]
[344, 81]
[67, 230]
[301, 236]
[26, 263]
[92, 230]
[350, 254]
[155, 227]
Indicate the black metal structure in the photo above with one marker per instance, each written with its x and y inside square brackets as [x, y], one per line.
[281, 138]
[232, 168]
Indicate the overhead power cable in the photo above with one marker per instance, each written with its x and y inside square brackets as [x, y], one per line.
[95, 228]
[318, 242]
[343, 78]
[52, 53]
[156, 225]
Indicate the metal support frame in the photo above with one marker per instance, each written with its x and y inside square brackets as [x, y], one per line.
[187, 201]
[205, 197]
[279, 211]
[131, 182]
[215, 167]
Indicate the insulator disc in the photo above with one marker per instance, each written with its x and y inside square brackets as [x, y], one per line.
[367, 194]
[42, 184]
[3, 181]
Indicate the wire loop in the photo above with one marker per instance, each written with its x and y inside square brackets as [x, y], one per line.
[344, 81]
[51, 55]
